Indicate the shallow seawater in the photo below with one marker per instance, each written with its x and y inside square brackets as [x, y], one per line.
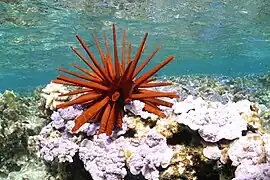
[222, 56]
[221, 37]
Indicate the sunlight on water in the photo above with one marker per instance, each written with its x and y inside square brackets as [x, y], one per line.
[205, 36]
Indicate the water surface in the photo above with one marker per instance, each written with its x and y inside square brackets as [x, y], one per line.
[206, 36]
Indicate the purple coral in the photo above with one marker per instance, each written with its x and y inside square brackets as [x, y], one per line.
[57, 121]
[59, 117]
[70, 113]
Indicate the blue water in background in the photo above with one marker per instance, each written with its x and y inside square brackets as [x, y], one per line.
[205, 36]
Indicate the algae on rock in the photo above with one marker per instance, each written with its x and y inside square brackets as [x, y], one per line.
[17, 123]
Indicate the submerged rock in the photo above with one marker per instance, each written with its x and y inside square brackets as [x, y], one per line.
[33, 169]
[18, 121]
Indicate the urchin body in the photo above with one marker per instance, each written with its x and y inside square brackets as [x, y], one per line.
[106, 89]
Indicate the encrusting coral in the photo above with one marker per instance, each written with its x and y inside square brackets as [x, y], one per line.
[107, 89]
[198, 150]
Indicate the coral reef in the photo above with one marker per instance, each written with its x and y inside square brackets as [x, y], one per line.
[51, 94]
[102, 158]
[182, 145]
[212, 152]
[150, 146]
[147, 155]
[33, 169]
[17, 123]
[56, 145]
[213, 120]
[244, 172]
[249, 149]
[251, 155]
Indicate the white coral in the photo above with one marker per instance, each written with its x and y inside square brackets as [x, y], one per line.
[248, 172]
[136, 107]
[51, 94]
[212, 152]
[250, 149]
[213, 120]
[151, 153]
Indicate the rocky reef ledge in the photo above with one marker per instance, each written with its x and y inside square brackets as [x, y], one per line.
[217, 129]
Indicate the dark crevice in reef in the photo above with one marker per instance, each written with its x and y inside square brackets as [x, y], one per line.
[69, 171]
[76, 170]
[133, 177]
[130, 133]
[186, 137]
[148, 122]
[204, 169]
[211, 170]
[228, 171]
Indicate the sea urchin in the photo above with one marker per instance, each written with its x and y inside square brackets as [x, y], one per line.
[106, 89]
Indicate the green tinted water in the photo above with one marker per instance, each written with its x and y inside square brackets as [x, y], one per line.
[205, 36]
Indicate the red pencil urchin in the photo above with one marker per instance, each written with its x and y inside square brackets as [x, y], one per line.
[106, 89]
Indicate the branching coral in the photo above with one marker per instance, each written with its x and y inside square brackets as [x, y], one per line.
[107, 89]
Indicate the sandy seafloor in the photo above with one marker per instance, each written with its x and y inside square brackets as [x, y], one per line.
[22, 117]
